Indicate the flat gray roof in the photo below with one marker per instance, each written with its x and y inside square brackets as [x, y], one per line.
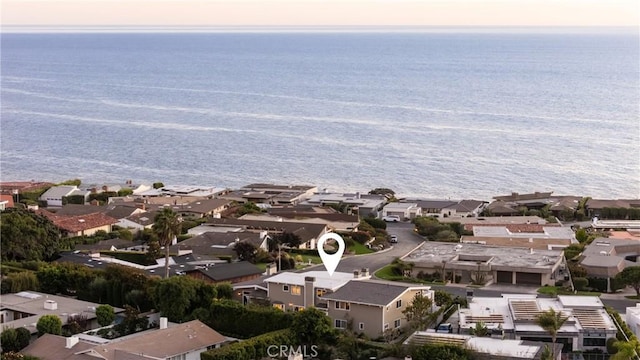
[456, 253]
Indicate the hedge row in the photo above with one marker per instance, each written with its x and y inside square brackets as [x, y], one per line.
[254, 348]
[233, 319]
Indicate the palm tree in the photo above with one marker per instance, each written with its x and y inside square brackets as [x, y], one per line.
[167, 225]
[551, 321]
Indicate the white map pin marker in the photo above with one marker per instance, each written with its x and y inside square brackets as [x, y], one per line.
[330, 261]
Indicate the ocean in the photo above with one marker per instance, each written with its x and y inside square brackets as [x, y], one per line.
[436, 114]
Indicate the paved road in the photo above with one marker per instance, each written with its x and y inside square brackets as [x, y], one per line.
[408, 240]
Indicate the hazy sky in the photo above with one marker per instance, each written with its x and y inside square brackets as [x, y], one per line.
[323, 12]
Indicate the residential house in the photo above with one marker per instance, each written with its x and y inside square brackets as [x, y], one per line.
[632, 318]
[81, 225]
[588, 325]
[202, 208]
[334, 221]
[596, 207]
[363, 205]
[485, 263]
[522, 235]
[138, 221]
[290, 291]
[25, 308]
[222, 244]
[109, 245]
[469, 208]
[184, 190]
[402, 210]
[234, 272]
[6, 202]
[19, 187]
[309, 233]
[54, 195]
[487, 348]
[606, 257]
[372, 307]
[536, 200]
[435, 208]
[187, 341]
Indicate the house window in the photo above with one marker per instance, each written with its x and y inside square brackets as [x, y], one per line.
[399, 303]
[341, 324]
[361, 326]
[386, 326]
[342, 305]
[298, 308]
[296, 290]
[279, 306]
[594, 342]
[396, 324]
[320, 292]
[285, 288]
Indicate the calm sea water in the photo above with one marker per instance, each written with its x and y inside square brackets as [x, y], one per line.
[431, 114]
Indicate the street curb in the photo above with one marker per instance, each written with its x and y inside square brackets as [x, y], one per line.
[412, 250]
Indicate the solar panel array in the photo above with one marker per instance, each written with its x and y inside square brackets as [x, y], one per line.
[488, 319]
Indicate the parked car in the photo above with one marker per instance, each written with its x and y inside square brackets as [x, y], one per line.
[394, 239]
[444, 328]
[391, 218]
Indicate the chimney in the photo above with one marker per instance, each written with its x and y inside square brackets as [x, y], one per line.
[271, 269]
[364, 272]
[50, 305]
[309, 291]
[356, 274]
[530, 250]
[163, 323]
[71, 341]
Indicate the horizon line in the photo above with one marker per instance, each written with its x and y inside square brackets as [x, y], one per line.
[309, 28]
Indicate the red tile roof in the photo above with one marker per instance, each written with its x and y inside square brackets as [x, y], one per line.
[8, 199]
[80, 222]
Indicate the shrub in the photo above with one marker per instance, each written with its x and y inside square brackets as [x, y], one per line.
[376, 223]
[360, 236]
[611, 347]
[598, 284]
[254, 348]
[580, 283]
[49, 324]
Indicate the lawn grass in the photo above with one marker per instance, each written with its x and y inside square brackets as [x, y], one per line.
[632, 297]
[359, 249]
[555, 291]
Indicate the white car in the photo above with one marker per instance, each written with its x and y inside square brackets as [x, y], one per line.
[391, 218]
[394, 239]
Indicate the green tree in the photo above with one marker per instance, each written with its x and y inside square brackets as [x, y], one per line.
[626, 350]
[248, 208]
[27, 236]
[246, 251]
[547, 353]
[224, 291]
[125, 192]
[9, 340]
[386, 192]
[312, 326]
[630, 276]
[289, 239]
[173, 296]
[419, 312]
[581, 235]
[49, 324]
[105, 315]
[167, 225]
[24, 337]
[480, 329]
[551, 321]
[158, 185]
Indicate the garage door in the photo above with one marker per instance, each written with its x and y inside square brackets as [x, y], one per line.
[528, 279]
[504, 277]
